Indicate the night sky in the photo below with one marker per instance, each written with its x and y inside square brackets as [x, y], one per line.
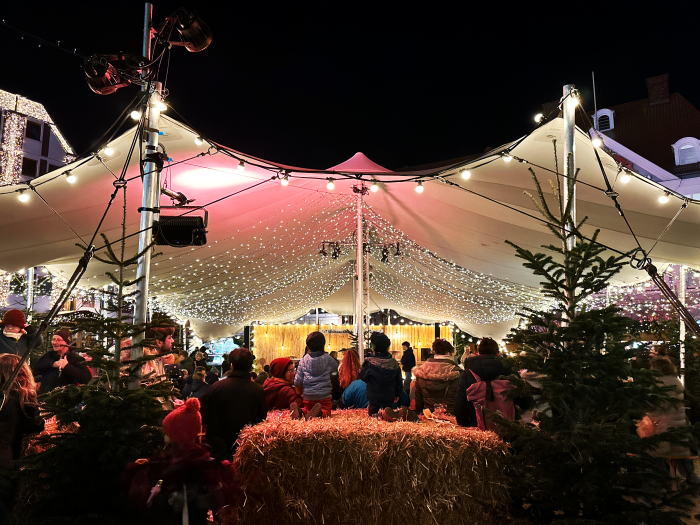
[309, 84]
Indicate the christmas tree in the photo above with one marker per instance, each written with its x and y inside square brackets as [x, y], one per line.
[582, 461]
[75, 477]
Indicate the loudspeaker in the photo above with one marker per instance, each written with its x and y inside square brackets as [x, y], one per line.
[180, 231]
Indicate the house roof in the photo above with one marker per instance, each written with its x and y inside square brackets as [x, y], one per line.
[651, 129]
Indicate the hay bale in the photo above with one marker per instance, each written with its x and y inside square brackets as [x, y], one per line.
[352, 469]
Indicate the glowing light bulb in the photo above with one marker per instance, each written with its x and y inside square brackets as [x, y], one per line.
[23, 196]
[466, 174]
[198, 141]
[507, 157]
[374, 187]
[663, 199]
[597, 142]
[241, 166]
[573, 100]
[136, 115]
[109, 151]
[160, 106]
[284, 181]
[70, 178]
[419, 187]
[625, 178]
[539, 118]
[330, 184]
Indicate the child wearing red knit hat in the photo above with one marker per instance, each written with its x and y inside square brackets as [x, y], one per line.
[184, 424]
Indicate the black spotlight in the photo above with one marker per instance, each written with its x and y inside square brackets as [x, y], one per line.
[385, 254]
[323, 250]
[398, 250]
[101, 76]
[179, 231]
[195, 34]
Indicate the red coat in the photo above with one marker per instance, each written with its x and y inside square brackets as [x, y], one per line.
[279, 394]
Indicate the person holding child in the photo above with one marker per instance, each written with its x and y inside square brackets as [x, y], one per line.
[313, 379]
[382, 373]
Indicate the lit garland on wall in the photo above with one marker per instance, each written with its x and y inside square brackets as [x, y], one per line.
[5, 280]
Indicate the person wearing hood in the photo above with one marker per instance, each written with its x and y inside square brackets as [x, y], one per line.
[408, 361]
[16, 334]
[61, 366]
[382, 374]
[313, 379]
[279, 391]
[488, 367]
[197, 388]
[437, 379]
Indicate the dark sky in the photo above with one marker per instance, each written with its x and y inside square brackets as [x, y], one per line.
[309, 84]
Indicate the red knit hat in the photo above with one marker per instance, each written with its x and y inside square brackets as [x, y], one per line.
[279, 366]
[184, 424]
[15, 318]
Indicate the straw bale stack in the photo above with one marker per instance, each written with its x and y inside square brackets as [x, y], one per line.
[352, 469]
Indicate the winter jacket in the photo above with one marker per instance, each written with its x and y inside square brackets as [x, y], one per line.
[670, 417]
[355, 396]
[408, 360]
[488, 368]
[15, 424]
[75, 372]
[383, 377]
[437, 381]
[196, 389]
[9, 345]
[280, 394]
[314, 374]
[228, 406]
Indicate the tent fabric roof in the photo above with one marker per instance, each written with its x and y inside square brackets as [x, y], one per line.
[262, 261]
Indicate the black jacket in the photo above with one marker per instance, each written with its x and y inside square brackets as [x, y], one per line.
[228, 406]
[196, 389]
[16, 423]
[488, 368]
[9, 346]
[73, 373]
[408, 360]
[382, 374]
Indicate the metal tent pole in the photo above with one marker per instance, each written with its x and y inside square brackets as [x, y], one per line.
[681, 293]
[569, 156]
[151, 195]
[30, 293]
[359, 191]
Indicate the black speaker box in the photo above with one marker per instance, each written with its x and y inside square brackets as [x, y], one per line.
[180, 231]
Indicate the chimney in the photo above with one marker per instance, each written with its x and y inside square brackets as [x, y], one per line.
[658, 90]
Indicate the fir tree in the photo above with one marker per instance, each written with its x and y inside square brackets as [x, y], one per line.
[77, 476]
[583, 461]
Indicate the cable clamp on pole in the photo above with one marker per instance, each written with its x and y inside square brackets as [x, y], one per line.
[154, 210]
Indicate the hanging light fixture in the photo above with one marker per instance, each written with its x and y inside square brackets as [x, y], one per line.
[195, 34]
[466, 174]
[663, 199]
[108, 151]
[70, 178]
[419, 187]
[284, 181]
[199, 141]
[241, 166]
[374, 187]
[625, 177]
[330, 184]
[23, 196]
[507, 156]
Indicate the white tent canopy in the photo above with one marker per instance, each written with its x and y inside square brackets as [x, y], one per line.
[262, 259]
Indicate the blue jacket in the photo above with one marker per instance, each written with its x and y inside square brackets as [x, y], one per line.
[355, 396]
[383, 377]
[314, 374]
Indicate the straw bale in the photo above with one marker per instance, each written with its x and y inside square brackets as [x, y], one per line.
[352, 469]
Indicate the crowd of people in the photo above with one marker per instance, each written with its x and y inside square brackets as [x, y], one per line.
[218, 408]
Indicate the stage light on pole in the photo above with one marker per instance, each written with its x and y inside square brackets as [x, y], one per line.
[198, 141]
[70, 178]
[419, 187]
[241, 166]
[374, 187]
[23, 196]
[331, 184]
[195, 34]
[663, 199]
[466, 174]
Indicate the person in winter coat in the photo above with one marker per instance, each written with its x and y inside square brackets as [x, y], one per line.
[231, 404]
[197, 388]
[313, 379]
[61, 366]
[488, 367]
[355, 396]
[408, 361]
[16, 335]
[437, 379]
[279, 390]
[382, 374]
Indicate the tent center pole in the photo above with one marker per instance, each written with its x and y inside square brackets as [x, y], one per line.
[30, 293]
[681, 338]
[360, 191]
[570, 102]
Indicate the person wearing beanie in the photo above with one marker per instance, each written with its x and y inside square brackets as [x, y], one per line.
[184, 424]
[15, 335]
[313, 379]
[61, 366]
[408, 361]
[232, 403]
[382, 374]
[279, 391]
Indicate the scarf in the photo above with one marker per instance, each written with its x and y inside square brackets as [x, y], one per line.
[13, 335]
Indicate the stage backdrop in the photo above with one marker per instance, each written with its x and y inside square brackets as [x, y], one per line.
[289, 340]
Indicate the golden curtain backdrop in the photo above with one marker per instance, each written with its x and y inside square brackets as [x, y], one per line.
[289, 340]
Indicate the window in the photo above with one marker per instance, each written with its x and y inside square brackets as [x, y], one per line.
[604, 119]
[33, 130]
[29, 167]
[687, 151]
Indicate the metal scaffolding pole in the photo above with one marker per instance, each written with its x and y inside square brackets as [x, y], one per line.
[681, 293]
[30, 293]
[360, 191]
